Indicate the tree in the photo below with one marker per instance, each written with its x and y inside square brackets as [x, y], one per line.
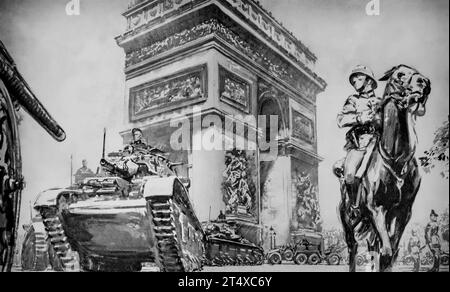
[444, 225]
[438, 153]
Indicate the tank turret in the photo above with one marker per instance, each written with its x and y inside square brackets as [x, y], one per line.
[115, 169]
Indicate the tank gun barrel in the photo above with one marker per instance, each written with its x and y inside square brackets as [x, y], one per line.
[22, 93]
[115, 169]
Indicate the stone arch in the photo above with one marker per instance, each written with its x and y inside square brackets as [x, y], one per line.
[273, 189]
[269, 105]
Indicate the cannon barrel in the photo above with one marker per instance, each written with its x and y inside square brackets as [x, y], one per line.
[21, 93]
[114, 168]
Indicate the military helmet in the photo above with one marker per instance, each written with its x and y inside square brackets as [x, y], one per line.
[362, 69]
[136, 130]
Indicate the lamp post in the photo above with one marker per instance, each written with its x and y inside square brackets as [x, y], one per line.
[272, 235]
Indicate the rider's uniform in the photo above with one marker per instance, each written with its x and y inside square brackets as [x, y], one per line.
[361, 135]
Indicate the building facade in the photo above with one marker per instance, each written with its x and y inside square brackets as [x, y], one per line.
[215, 68]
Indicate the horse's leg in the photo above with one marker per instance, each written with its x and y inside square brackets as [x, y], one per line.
[379, 221]
[403, 213]
[349, 234]
[352, 245]
[373, 247]
[402, 217]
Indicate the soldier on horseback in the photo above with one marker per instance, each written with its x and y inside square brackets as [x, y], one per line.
[380, 177]
[361, 114]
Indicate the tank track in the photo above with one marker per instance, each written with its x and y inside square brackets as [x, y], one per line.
[40, 260]
[65, 259]
[41, 250]
[171, 254]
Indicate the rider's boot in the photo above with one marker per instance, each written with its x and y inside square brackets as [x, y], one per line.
[353, 194]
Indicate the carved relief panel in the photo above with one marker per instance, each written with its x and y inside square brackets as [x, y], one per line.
[240, 185]
[234, 90]
[302, 127]
[168, 93]
[305, 197]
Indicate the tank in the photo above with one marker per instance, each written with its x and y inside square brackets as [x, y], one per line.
[15, 93]
[138, 212]
[226, 247]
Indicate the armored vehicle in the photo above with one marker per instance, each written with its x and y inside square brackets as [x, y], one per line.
[137, 213]
[225, 247]
[307, 248]
[15, 93]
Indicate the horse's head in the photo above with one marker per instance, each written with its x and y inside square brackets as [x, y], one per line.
[408, 87]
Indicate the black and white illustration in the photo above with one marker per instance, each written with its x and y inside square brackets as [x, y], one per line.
[224, 136]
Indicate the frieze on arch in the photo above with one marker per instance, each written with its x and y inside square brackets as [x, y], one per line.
[256, 51]
[143, 15]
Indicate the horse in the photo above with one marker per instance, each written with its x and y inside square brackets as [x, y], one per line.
[391, 179]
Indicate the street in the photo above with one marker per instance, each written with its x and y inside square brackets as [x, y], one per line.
[266, 268]
[306, 268]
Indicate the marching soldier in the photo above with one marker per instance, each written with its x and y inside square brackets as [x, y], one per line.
[433, 240]
[414, 249]
[360, 114]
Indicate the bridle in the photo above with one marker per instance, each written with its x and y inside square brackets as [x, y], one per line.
[400, 93]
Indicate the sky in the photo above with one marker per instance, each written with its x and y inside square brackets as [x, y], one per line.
[75, 68]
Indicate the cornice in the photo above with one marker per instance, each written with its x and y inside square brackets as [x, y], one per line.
[265, 27]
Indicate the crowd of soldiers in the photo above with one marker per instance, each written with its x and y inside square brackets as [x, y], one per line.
[431, 242]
